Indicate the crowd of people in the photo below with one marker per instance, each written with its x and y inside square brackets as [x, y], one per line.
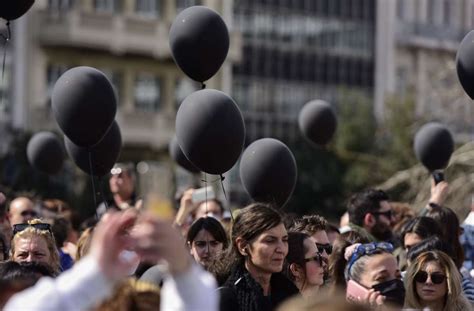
[382, 256]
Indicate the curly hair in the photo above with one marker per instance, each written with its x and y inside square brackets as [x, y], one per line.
[310, 224]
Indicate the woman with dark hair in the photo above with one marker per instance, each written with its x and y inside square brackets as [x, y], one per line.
[434, 282]
[451, 231]
[304, 264]
[418, 229]
[206, 238]
[3, 248]
[259, 245]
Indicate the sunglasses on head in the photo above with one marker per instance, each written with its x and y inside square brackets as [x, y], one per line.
[41, 226]
[30, 213]
[318, 258]
[388, 214]
[436, 277]
[324, 247]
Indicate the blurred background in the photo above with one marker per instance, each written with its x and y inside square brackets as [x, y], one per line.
[386, 66]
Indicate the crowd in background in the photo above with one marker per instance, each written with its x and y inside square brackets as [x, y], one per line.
[382, 256]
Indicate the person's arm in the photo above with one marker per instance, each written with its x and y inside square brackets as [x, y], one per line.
[76, 289]
[194, 289]
[91, 280]
[439, 192]
[185, 209]
[189, 287]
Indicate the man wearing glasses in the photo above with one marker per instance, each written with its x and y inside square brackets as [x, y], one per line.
[371, 215]
[21, 210]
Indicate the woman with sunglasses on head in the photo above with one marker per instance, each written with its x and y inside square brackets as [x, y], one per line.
[259, 245]
[373, 276]
[305, 266]
[434, 282]
[34, 242]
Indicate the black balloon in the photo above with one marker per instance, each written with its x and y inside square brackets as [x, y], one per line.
[268, 171]
[45, 153]
[84, 105]
[13, 9]
[465, 63]
[177, 154]
[433, 146]
[317, 122]
[210, 131]
[104, 155]
[199, 42]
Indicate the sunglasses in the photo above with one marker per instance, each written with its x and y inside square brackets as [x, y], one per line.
[436, 278]
[41, 226]
[318, 258]
[324, 247]
[30, 213]
[389, 214]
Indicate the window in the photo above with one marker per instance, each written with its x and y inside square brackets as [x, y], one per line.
[147, 92]
[60, 5]
[183, 88]
[115, 79]
[183, 4]
[53, 72]
[107, 6]
[148, 8]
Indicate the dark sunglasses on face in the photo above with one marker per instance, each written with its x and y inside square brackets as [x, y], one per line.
[324, 247]
[30, 213]
[318, 258]
[436, 278]
[388, 214]
[41, 226]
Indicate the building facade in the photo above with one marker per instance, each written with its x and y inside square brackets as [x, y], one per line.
[417, 43]
[128, 41]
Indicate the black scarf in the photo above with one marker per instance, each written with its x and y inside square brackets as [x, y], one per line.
[242, 289]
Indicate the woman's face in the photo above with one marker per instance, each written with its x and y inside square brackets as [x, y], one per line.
[411, 239]
[314, 269]
[428, 291]
[268, 251]
[32, 249]
[380, 268]
[205, 247]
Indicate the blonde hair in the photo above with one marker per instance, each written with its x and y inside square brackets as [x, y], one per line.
[132, 294]
[48, 236]
[454, 298]
[84, 243]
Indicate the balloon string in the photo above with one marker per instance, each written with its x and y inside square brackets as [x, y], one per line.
[205, 185]
[93, 185]
[102, 193]
[225, 196]
[5, 46]
[203, 86]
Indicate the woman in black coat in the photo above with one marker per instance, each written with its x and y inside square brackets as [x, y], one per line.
[255, 260]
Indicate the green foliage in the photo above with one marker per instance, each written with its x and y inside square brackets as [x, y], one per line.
[362, 154]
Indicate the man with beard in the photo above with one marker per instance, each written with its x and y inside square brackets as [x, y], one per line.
[371, 215]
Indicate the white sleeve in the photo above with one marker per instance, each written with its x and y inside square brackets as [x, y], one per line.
[79, 288]
[194, 290]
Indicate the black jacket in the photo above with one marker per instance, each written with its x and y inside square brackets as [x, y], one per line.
[242, 293]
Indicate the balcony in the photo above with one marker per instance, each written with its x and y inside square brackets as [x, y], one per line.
[118, 34]
[429, 36]
[114, 33]
[153, 129]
